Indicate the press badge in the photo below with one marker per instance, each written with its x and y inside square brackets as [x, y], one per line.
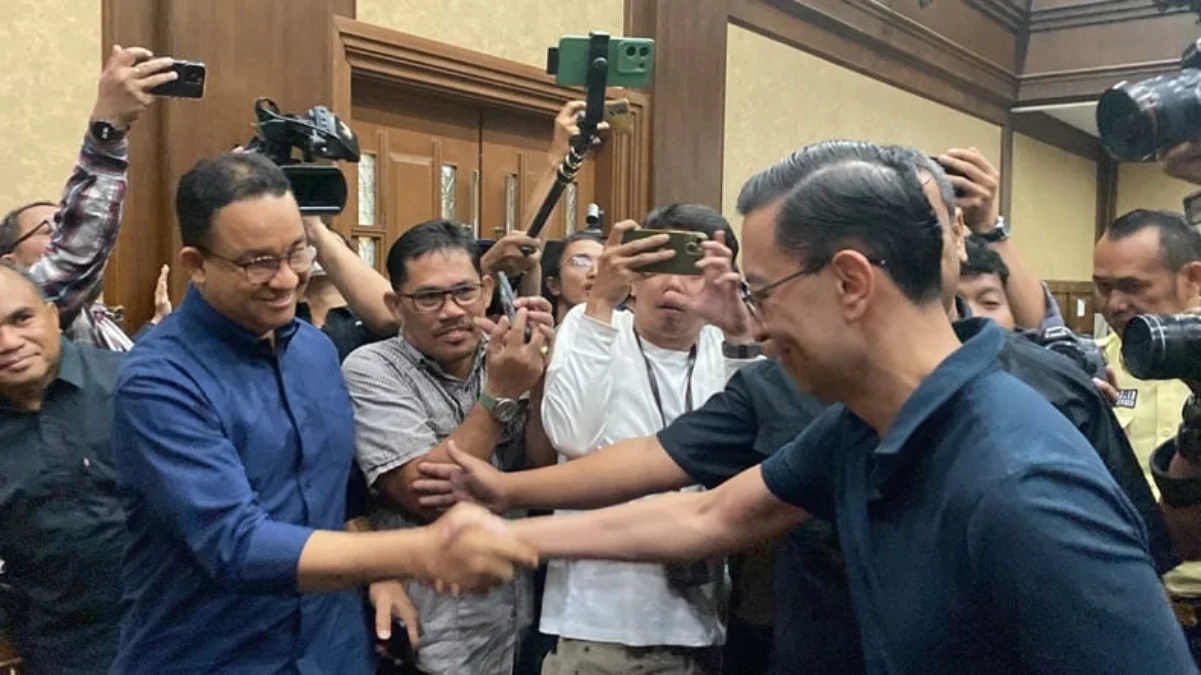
[1127, 398]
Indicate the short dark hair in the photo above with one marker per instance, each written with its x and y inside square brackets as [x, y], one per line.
[428, 237]
[216, 182]
[692, 218]
[982, 260]
[24, 276]
[10, 226]
[777, 180]
[1179, 242]
[872, 203]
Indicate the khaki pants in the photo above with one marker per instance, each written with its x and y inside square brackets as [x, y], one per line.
[580, 657]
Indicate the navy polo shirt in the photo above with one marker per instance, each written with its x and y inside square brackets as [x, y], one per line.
[982, 534]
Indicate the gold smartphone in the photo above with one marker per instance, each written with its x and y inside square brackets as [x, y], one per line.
[687, 246]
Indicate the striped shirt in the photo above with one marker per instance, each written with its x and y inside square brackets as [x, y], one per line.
[85, 231]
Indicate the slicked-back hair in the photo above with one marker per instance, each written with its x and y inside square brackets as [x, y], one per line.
[692, 218]
[10, 226]
[982, 260]
[775, 181]
[1179, 241]
[216, 182]
[7, 266]
[428, 237]
[874, 204]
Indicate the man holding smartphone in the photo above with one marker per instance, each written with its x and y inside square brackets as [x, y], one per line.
[617, 375]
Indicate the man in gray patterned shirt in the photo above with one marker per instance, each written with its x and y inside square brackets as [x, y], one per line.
[441, 380]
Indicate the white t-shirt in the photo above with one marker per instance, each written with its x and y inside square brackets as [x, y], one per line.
[597, 393]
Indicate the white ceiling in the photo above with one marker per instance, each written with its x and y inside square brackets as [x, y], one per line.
[1083, 116]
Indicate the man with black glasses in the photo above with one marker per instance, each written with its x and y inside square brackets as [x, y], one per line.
[442, 380]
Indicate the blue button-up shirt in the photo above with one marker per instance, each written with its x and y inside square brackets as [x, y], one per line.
[982, 534]
[232, 452]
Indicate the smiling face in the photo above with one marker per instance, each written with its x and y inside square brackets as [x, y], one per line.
[438, 303]
[29, 338]
[245, 230]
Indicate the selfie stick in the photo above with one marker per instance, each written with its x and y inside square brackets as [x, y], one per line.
[594, 113]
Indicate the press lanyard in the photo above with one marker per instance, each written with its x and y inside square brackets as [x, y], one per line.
[654, 381]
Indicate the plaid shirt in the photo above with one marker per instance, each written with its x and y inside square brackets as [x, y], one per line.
[86, 225]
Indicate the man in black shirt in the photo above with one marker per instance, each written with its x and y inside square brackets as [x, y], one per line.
[62, 527]
[760, 410]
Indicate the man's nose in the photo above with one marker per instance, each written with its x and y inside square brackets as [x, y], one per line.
[10, 339]
[285, 279]
[450, 309]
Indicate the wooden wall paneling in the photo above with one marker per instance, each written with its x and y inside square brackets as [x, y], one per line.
[623, 168]
[878, 42]
[363, 52]
[1074, 296]
[148, 218]
[689, 91]
[1042, 127]
[1006, 169]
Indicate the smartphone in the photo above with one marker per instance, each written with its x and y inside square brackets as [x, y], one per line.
[687, 246]
[631, 61]
[507, 300]
[189, 84]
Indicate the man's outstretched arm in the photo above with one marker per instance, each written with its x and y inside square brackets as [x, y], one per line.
[675, 527]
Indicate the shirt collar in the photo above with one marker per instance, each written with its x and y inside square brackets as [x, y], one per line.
[195, 309]
[70, 363]
[982, 342]
[416, 356]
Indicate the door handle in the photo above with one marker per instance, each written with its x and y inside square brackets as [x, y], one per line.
[475, 202]
[510, 202]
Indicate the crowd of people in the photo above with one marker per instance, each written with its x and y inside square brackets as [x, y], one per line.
[836, 446]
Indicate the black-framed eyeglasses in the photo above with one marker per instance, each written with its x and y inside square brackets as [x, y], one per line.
[47, 225]
[261, 269]
[754, 299]
[432, 300]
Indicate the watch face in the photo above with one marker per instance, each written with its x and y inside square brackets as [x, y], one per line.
[506, 409]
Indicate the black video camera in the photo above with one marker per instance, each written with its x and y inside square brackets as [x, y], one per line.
[320, 189]
[1163, 347]
[1081, 350]
[1137, 120]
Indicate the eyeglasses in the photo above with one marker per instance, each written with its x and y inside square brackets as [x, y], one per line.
[581, 261]
[754, 299]
[432, 300]
[47, 225]
[262, 269]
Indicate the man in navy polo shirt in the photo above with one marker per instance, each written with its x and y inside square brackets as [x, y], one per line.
[981, 532]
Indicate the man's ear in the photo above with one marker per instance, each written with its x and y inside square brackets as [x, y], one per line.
[1191, 273]
[52, 316]
[7, 258]
[959, 235]
[392, 300]
[856, 282]
[192, 262]
[487, 285]
[553, 287]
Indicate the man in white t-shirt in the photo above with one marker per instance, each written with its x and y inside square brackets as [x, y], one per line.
[616, 375]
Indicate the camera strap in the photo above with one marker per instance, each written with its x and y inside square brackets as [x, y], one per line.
[654, 381]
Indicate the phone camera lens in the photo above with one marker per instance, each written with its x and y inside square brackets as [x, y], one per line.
[645, 51]
[631, 51]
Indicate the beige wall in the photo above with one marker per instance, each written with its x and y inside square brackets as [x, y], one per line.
[51, 55]
[519, 30]
[779, 99]
[1144, 186]
[1054, 209]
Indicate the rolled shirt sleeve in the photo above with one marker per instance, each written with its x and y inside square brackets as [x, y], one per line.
[171, 451]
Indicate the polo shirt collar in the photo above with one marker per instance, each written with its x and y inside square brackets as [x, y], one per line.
[70, 364]
[196, 310]
[982, 342]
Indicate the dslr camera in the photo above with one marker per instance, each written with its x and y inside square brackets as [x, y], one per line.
[1137, 120]
[320, 189]
[1081, 350]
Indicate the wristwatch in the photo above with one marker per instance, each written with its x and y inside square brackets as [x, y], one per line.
[741, 350]
[105, 132]
[503, 409]
[998, 233]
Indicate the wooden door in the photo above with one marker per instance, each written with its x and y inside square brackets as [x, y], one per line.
[426, 158]
[513, 157]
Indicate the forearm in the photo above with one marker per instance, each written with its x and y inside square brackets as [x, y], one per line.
[1024, 289]
[89, 221]
[531, 282]
[614, 475]
[363, 287]
[332, 561]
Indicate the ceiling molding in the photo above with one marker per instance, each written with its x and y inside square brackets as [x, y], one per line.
[1014, 15]
[1042, 127]
[1095, 12]
[1085, 84]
